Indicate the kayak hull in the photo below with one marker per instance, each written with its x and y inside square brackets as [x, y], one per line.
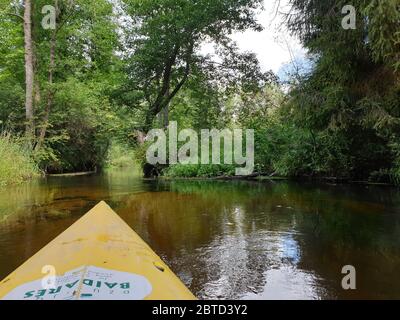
[99, 258]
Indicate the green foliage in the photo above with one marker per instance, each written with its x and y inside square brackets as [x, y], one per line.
[395, 171]
[165, 38]
[384, 30]
[199, 171]
[83, 123]
[120, 156]
[81, 118]
[16, 163]
[350, 101]
[310, 154]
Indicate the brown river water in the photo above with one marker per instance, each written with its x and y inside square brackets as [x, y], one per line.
[224, 239]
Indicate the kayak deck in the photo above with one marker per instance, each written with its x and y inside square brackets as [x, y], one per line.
[98, 258]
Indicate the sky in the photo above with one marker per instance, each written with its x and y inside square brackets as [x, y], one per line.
[274, 46]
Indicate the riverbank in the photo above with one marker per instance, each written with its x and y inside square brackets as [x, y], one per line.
[16, 163]
[227, 172]
[326, 180]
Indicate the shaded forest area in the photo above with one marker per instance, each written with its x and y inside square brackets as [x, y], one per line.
[111, 70]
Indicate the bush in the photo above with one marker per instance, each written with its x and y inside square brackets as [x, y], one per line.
[199, 171]
[120, 156]
[16, 163]
[306, 153]
[380, 176]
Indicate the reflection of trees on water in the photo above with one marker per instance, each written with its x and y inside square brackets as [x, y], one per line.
[219, 248]
[233, 240]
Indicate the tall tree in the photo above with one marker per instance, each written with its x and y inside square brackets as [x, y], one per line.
[352, 92]
[165, 39]
[51, 70]
[29, 72]
[73, 67]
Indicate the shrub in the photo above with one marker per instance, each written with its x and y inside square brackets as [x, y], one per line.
[16, 163]
[199, 171]
[120, 156]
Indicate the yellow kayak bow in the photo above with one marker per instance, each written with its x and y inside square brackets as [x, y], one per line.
[98, 258]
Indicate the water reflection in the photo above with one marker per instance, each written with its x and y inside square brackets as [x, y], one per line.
[228, 240]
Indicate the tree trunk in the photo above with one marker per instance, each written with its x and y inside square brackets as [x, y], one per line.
[166, 116]
[29, 74]
[164, 113]
[37, 96]
[161, 105]
[50, 94]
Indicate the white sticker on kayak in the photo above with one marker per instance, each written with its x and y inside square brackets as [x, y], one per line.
[87, 283]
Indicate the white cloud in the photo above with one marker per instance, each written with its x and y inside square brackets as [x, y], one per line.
[274, 46]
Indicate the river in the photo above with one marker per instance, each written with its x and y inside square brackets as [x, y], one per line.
[224, 239]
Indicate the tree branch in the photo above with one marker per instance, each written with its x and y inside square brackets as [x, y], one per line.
[157, 106]
[183, 80]
[179, 85]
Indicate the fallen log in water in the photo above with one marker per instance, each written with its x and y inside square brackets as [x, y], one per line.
[76, 174]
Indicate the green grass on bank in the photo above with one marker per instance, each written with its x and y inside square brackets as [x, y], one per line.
[16, 164]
